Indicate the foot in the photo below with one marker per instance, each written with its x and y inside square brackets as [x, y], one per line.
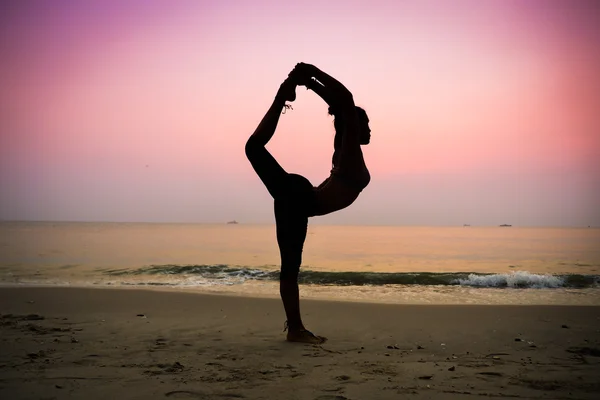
[304, 336]
[287, 90]
[300, 77]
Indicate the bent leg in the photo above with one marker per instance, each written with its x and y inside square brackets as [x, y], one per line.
[265, 165]
[272, 175]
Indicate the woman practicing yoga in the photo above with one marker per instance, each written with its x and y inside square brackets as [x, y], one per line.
[295, 198]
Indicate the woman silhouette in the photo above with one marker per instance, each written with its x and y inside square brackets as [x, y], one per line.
[295, 198]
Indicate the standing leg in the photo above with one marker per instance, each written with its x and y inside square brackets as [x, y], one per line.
[292, 223]
[291, 234]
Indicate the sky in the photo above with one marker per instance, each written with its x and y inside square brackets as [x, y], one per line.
[482, 112]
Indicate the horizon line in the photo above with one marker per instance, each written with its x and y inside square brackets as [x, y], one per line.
[502, 225]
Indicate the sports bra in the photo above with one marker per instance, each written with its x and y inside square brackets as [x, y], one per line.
[339, 191]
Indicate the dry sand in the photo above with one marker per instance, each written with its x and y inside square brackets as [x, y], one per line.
[67, 343]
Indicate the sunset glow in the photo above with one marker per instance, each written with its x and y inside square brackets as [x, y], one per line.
[481, 112]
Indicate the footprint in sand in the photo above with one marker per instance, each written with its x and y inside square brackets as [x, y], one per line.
[585, 351]
[174, 368]
[191, 394]
[186, 394]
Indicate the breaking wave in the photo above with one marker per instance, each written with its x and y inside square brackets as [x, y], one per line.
[231, 275]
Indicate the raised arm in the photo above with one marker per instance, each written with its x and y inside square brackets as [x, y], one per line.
[330, 89]
[321, 90]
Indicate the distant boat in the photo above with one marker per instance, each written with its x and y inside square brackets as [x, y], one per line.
[466, 225]
[505, 225]
[234, 222]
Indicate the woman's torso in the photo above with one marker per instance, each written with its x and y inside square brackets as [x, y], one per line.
[340, 190]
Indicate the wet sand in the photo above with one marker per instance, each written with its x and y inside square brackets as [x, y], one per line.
[64, 343]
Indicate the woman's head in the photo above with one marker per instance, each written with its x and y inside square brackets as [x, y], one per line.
[363, 122]
[365, 130]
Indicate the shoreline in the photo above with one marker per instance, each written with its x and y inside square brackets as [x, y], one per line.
[201, 291]
[384, 294]
[145, 344]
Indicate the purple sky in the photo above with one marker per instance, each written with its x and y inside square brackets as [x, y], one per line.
[483, 112]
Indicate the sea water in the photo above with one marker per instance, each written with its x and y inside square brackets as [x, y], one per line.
[393, 264]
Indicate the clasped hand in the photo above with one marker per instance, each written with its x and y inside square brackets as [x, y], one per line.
[303, 73]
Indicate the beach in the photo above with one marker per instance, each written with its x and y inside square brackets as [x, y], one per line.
[65, 343]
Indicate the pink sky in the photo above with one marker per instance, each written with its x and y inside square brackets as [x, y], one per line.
[482, 112]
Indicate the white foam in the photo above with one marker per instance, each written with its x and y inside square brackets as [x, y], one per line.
[518, 279]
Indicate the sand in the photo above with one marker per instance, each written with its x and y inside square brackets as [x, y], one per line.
[70, 343]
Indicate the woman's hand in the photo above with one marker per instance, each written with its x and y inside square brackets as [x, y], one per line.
[339, 91]
[306, 69]
[330, 89]
[302, 74]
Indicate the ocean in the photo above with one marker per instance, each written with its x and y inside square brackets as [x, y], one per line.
[390, 264]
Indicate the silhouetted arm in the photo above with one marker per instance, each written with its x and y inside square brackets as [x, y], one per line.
[322, 91]
[335, 90]
[328, 88]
